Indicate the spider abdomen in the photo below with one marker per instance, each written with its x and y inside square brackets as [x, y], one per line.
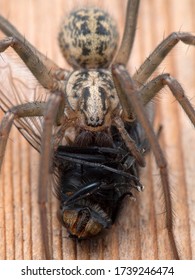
[88, 38]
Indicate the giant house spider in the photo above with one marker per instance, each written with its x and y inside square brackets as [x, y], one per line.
[166, 243]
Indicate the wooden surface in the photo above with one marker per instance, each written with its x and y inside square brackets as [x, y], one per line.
[139, 231]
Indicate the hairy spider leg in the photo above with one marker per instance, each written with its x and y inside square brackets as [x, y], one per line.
[127, 87]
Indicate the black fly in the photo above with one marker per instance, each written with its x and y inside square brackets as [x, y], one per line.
[94, 180]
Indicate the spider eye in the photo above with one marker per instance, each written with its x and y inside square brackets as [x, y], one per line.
[88, 38]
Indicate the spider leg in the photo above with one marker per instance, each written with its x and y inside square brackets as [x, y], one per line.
[160, 52]
[20, 111]
[130, 143]
[8, 29]
[129, 32]
[148, 91]
[31, 59]
[127, 87]
[47, 145]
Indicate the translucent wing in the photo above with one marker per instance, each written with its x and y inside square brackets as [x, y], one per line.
[19, 86]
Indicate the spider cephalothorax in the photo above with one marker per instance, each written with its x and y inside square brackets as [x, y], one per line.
[93, 95]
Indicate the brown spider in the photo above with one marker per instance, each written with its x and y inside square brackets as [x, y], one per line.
[49, 80]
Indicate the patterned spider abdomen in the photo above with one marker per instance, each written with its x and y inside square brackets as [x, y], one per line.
[88, 38]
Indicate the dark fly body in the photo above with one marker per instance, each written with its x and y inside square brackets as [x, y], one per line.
[92, 182]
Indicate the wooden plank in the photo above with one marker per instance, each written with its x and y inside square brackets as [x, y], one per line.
[139, 231]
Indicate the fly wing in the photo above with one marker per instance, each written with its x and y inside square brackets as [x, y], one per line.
[19, 86]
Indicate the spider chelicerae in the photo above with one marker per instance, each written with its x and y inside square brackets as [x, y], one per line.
[91, 102]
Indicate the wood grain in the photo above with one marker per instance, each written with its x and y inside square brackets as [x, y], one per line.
[139, 232]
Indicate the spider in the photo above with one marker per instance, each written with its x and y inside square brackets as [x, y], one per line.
[52, 78]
